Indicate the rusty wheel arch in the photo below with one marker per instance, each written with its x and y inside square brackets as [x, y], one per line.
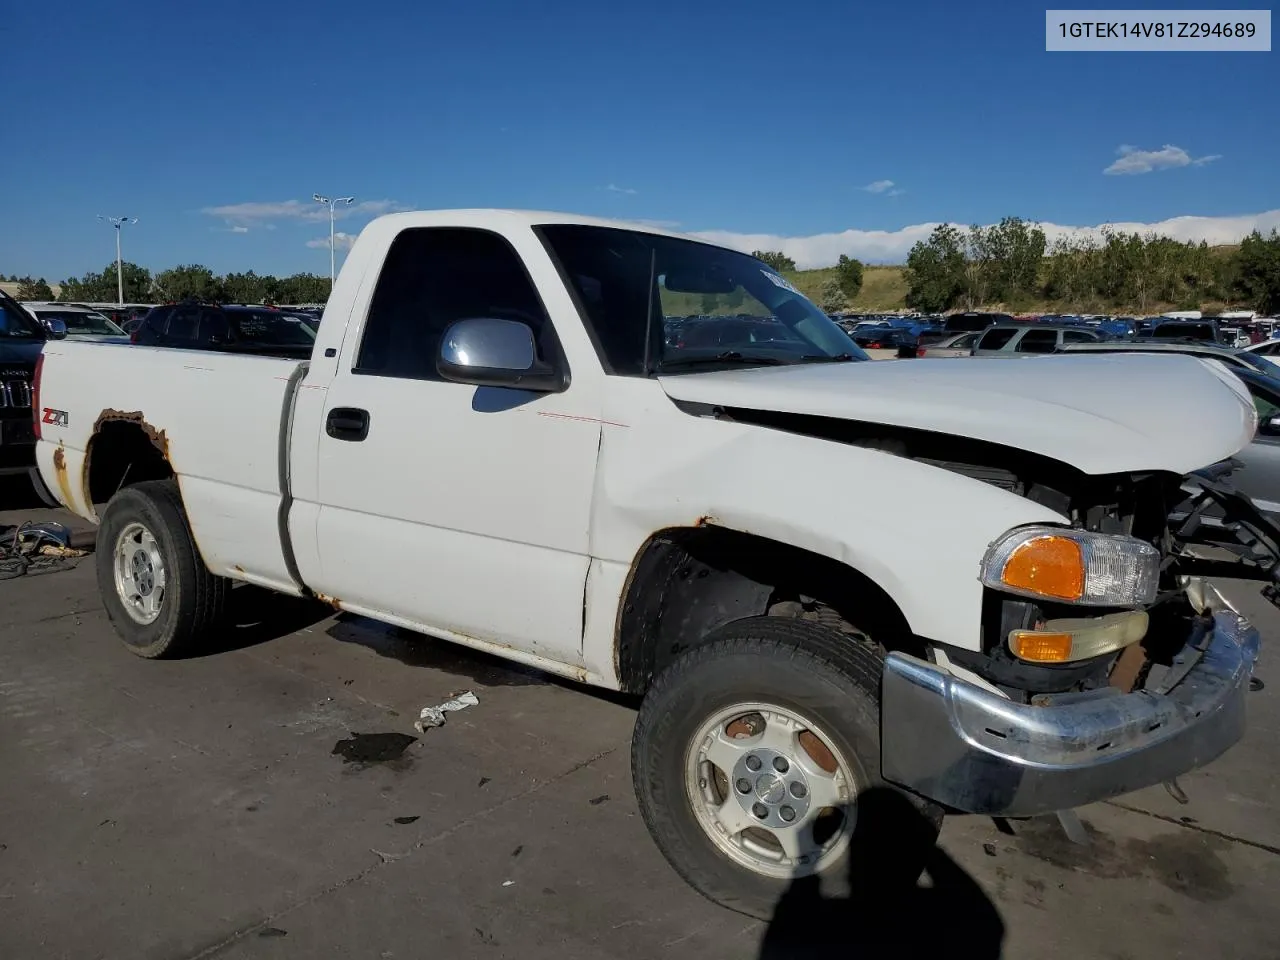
[123, 449]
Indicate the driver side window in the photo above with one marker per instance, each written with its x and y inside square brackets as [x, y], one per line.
[433, 277]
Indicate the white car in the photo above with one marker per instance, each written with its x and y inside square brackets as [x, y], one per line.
[492, 444]
[82, 323]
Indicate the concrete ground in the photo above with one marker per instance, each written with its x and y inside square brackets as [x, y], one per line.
[213, 808]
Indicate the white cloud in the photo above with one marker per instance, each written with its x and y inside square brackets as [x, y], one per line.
[256, 213]
[1131, 160]
[239, 229]
[341, 241]
[892, 246]
[614, 188]
[879, 186]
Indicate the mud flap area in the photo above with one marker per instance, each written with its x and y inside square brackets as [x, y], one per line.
[1218, 531]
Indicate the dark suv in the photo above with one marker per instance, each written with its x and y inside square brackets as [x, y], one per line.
[22, 337]
[241, 328]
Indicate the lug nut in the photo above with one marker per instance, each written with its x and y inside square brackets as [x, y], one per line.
[761, 811]
[787, 814]
[780, 764]
[799, 790]
[753, 763]
[744, 785]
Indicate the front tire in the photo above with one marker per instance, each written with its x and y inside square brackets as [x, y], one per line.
[158, 593]
[756, 761]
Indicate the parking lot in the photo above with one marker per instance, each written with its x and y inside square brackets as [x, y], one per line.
[231, 806]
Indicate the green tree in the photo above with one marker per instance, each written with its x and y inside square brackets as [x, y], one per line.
[1013, 250]
[188, 282]
[1073, 272]
[90, 288]
[1258, 272]
[849, 273]
[29, 289]
[776, 259]
[935, 271]
[101, 287]
[245, 287]
[301, 288]
[831, 297]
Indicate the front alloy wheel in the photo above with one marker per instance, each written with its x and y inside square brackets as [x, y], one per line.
[770, 790]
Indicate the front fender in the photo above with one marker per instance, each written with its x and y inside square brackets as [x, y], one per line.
[917, 530]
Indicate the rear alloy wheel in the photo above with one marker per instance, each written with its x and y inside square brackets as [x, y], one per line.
[756, 761]
[158, 593]
[139, 573]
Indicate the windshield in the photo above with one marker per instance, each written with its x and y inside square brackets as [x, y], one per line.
[81, 322]
[271, 329]
[16, 323]
[701, 305]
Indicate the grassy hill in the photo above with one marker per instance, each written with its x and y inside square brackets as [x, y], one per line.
[883, 288]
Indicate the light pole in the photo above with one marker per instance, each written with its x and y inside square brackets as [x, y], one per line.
[118, 222]
[333, 273]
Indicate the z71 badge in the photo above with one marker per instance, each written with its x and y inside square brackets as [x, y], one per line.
[55, 418]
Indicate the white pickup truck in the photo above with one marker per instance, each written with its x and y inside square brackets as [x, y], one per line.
[950, 584]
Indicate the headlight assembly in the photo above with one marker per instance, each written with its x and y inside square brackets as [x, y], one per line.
[1073, 566]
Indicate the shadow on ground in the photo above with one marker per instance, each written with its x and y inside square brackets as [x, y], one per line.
[16, 493]
[255, 616]
[889, 912]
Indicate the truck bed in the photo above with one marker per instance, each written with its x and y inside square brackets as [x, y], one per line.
[219, 419]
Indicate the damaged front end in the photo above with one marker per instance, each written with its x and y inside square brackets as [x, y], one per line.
[1003, 731]
[1218, 531]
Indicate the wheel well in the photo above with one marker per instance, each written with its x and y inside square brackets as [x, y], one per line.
[688, 581]
[122, 453]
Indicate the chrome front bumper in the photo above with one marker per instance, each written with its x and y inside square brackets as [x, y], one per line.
[971, 750]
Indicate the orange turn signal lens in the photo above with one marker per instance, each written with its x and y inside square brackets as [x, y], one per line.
[1050, 566]
[1040, 647]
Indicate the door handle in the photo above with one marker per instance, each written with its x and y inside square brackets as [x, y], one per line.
[347, 423]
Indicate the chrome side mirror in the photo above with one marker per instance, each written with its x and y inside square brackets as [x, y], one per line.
[57, 328]
[489, 352]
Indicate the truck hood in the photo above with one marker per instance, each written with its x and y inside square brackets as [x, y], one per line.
[1103, 414]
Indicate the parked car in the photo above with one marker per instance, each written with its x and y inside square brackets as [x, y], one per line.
[1265, 348]
[22, 337]
[955, 345]
[82, 323]
[492, 412]
[1029, 339]
[972, 321]
[1205, 331]
[1231, 356]
[1258, 477]
[238, 328]
[883, 343]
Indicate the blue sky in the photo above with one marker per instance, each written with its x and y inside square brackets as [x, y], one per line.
[215, 123]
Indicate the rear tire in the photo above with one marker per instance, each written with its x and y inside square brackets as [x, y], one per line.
[764, 695]
[157, 591]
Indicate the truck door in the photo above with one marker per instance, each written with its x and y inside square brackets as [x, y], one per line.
[463, 510]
